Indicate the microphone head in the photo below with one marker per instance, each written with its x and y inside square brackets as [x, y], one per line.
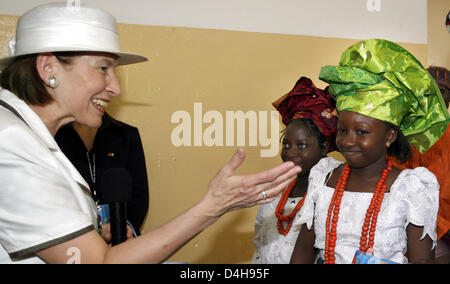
[116, 184]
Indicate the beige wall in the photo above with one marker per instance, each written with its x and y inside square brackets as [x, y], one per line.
[438, 36]
[225, 71]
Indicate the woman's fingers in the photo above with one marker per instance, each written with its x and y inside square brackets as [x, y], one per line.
[250, 180]
[228, 191]
[251, 196]
[272, 182]
[274, 192]
[276, 186]
[230, 168]
[271, 176]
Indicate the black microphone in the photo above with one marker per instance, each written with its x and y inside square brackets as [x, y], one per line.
[115, 187]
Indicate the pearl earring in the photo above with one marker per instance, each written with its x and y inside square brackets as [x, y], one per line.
[52, 83]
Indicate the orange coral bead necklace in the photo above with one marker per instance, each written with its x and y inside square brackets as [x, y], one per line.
[280, 210]
[371, 216]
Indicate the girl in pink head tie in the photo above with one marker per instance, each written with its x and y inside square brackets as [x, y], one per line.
[310, 117]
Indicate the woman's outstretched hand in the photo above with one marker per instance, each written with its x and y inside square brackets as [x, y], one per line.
[228, 192]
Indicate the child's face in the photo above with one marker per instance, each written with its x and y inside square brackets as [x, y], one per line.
[361, 139]
[300, 146]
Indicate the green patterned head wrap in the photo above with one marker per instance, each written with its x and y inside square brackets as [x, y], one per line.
[380, 79]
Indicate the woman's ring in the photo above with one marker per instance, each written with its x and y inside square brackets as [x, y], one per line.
[264, 195]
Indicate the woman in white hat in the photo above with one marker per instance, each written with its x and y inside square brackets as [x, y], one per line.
[60, 70]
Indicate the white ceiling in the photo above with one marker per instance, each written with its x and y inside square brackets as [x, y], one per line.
[396, 20]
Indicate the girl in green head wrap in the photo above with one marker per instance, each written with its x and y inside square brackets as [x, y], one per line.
[385, 99]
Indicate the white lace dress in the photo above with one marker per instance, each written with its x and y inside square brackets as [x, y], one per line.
[271, 246]
[413, 198]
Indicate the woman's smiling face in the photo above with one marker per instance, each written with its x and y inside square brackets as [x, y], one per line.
[87, 85]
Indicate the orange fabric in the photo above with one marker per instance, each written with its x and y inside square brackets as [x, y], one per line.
[437, 160]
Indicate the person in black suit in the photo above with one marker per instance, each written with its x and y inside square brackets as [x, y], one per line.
[114, 145]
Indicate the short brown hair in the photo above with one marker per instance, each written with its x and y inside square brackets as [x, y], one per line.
[22, 79]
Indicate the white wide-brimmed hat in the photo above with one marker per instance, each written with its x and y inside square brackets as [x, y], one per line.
[63, 27]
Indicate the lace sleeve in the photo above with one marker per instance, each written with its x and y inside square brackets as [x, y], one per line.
[306, 214]
[419, 190]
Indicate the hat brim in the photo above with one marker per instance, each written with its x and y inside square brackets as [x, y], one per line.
[124, 58]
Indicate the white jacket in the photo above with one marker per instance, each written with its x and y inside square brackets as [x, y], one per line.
[44, 201]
